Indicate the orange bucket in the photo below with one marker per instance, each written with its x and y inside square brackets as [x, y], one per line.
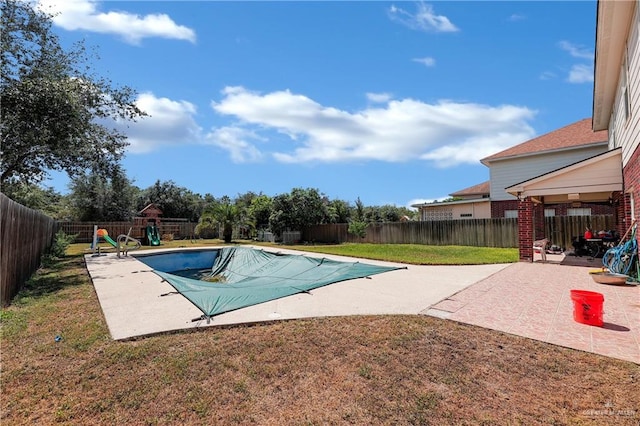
[587, 307]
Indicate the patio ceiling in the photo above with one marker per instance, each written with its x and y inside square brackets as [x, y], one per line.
[590, 180]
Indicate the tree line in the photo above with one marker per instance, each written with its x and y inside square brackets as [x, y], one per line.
[95, 197]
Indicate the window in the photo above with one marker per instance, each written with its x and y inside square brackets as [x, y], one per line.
[585, 211]
[510, 214]
[549, 212]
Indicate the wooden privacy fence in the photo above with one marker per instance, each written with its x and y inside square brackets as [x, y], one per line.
[25, 234]
[472, 232]
[84, 230]
[560, 230]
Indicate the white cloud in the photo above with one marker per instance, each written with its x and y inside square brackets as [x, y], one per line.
[379, 98]
[84, 15]
[168, 123]
[426, 61]
[581, 73]
[516, 17]
[424, 19]
[576, 51]
[234, 140]
[547, 75]
[446, 133]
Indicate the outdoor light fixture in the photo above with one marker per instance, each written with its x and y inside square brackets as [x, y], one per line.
[573, 196]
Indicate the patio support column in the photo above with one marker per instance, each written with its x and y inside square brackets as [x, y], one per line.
[525, 229]
[538, 222]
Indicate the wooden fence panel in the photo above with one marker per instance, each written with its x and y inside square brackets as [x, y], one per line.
[562, 229]
[84, 230]
[25, 234]
[476, 232]
[501, 232]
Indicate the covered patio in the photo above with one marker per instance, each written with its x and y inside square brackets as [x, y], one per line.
[596, 179]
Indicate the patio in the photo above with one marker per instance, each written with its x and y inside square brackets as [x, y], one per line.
[533, 300]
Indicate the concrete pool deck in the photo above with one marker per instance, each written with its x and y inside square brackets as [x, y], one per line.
[526, 299]
[130, 295]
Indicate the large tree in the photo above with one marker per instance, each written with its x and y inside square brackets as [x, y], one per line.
[99, 197]
[56, 114]
[297, 210]
[46, 199]
[174, 201]
[260, 211]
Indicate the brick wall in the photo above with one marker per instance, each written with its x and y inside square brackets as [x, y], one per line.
[631, 174]
[525, 230]
[498, 208]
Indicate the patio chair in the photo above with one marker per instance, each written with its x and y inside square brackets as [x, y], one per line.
[542, 244]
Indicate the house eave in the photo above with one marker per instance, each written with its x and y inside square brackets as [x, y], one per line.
[551, 184]
[451, 203]
[612, 28]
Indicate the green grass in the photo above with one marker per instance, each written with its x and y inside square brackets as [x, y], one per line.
[417, 254]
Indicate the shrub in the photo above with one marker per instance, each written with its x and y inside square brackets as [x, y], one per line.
[58, 249]
[61, 242]
[357, 228]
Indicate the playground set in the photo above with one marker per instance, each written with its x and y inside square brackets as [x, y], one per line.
[148, 224]
[121, 244]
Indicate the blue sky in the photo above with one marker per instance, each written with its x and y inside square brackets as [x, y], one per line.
[392, 102]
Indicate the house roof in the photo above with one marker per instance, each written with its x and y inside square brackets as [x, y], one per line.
[479, 189]
[574, 135]
[450, 203]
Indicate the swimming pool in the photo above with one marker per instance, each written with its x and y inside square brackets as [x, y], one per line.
[188, 263]
[229, 278]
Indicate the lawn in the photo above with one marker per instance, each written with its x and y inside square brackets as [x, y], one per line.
[415, 254]
[418, 254]
[59, 365]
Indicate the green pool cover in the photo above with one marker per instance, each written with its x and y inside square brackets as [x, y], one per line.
[249, 276]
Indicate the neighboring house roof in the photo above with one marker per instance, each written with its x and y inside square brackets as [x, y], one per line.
[449, 203]
[574, 135]
[479, 189]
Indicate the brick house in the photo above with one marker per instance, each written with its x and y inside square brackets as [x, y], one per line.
[616, 108]
[541, 155]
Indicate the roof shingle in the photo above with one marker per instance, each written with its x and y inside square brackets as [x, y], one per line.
[573, 135]
[479, 189]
